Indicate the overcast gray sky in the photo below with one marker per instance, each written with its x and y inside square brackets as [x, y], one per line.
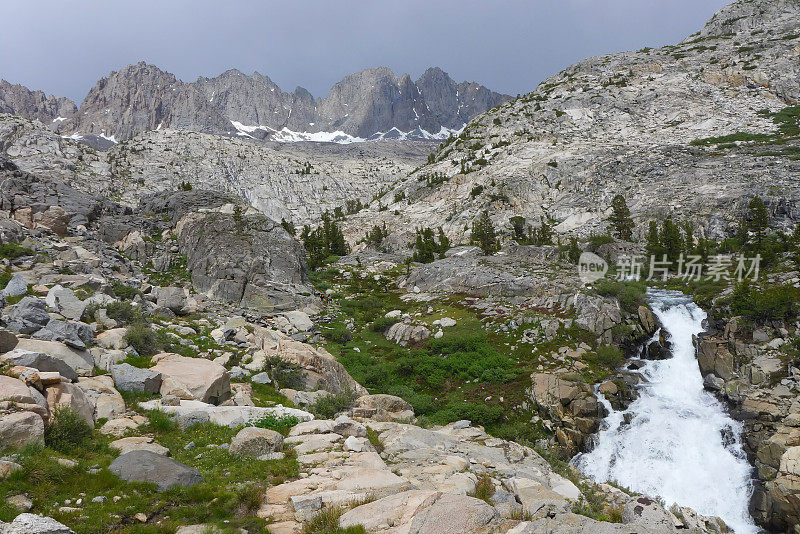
[64, 46]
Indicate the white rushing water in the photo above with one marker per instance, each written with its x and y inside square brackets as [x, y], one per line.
[680, 444]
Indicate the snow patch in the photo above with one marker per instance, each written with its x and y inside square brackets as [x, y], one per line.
[286, 135]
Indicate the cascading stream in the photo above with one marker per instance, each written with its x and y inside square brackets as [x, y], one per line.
[680, 443]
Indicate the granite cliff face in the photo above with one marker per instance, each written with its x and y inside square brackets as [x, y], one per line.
[636, 123]
[374, 103]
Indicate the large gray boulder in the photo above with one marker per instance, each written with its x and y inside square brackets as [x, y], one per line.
[62, 300]
[299, 320]
[130, 378]
[81, 361]
[16, 286]
[106, 401]
[20, 428]
[7, 340]
[248, 260]
[15, 391]
[174, 298]
[407, 334]
[34, 524]
[41, 361]
[648, 513]
[74, 334]
[146, 466]
[192, 378]
[255, 442]
[423, 512]
[28, 315]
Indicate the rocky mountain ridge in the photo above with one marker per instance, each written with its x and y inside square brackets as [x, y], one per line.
[371, 104]
[693, 130]
[34, 105]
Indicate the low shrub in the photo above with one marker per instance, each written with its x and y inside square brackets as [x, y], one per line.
[484, 488]
[630, 295]
[607, 356]
[124, 291]
[67, 430]
[5, 278]
[382, 324]
[143, 339]
[284, 373]
[328, 406]
[125, 313]
[13, 251]
[476, 412]
[338, 334]
[374, 439]
[764, 304]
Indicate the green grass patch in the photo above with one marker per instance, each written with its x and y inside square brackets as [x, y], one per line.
[13, 251]
[279, 424]
[327, 522]
[228, 498]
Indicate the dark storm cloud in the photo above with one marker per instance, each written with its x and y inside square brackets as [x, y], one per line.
[63, 46]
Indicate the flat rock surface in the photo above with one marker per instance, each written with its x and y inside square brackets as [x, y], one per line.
[147, 466]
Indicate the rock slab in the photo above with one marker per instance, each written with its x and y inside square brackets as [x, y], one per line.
[146, 466]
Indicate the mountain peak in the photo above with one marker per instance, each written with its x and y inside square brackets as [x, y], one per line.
[365, 104]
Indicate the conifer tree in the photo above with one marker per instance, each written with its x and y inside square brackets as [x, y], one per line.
[484, 235]
[671, 240]
[518, 225]
[757, 219]
[653, 246]
[620, 219]
[426, 247]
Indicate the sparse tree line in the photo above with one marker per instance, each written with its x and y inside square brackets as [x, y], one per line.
[672, 239]
[668, 239]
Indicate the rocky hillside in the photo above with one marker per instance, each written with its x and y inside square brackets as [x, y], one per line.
[693, 129]
[374, 103]
[297, 181]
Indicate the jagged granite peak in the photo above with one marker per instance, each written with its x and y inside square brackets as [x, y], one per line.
[373, 101]
[250, 100]
[143, 97]
[376, 101]
[453, 105]
[34, 105]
